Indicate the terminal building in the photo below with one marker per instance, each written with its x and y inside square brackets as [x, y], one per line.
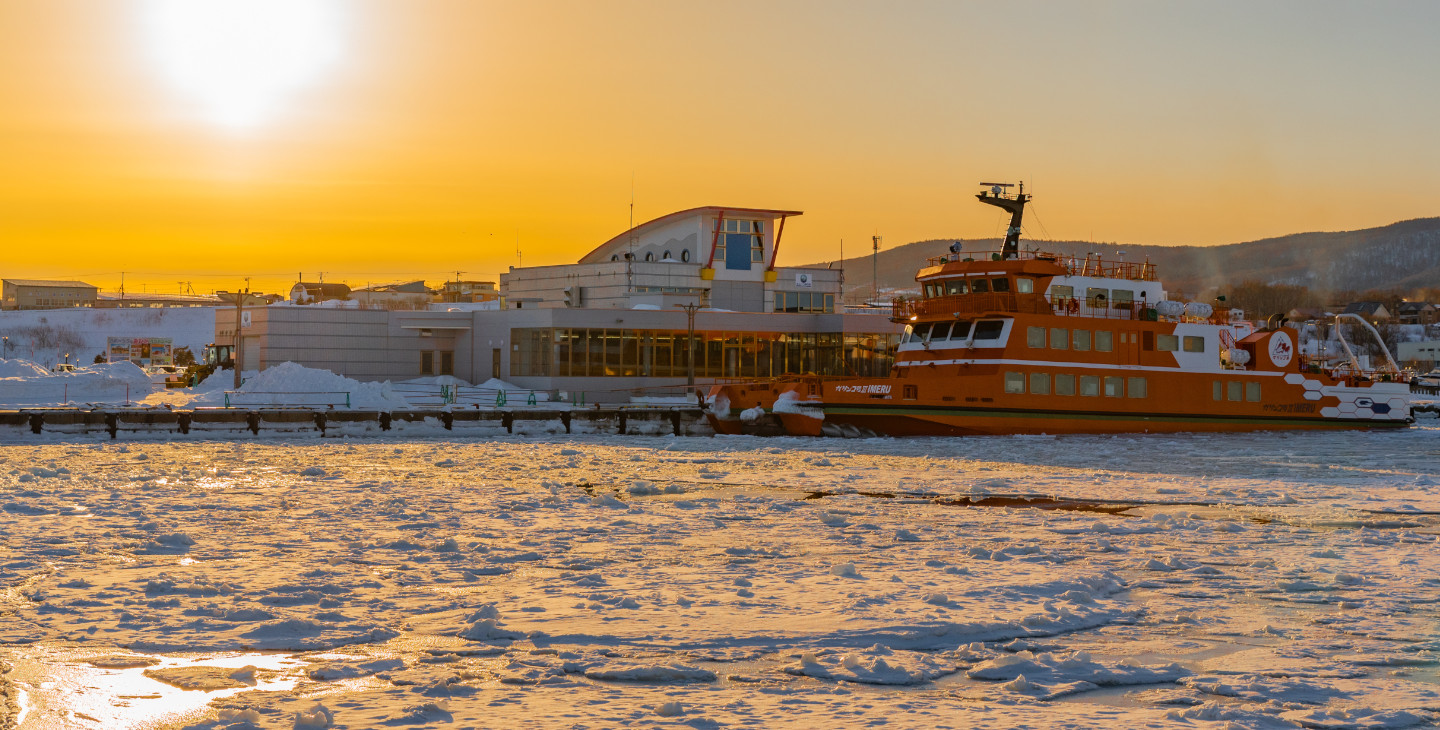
[622, 321]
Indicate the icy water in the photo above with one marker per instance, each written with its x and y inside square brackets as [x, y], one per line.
[1271, 580]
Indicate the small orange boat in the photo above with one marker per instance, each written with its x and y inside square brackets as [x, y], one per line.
[1016, 342]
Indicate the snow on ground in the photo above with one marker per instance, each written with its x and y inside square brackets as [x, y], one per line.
[24, 383]
[292, 384]
[46, 335]
[1255, 580]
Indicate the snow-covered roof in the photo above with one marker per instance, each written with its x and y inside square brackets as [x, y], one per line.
[47, 282]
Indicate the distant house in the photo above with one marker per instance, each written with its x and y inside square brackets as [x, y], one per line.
[469, 291]
[408, 296]
[1415, 313]
[1370, 311]
[45, 294]
[1421, 355]
[305, 292]
[1307, 314]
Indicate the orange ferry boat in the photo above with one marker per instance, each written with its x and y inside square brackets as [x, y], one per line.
[1026, 342]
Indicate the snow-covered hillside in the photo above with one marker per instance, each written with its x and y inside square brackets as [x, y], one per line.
[45, 336]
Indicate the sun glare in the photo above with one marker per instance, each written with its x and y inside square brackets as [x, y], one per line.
[239, 60]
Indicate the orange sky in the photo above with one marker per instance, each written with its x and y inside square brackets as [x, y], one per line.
[442, 129]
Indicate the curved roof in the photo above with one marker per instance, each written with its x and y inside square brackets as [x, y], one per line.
[601, 252]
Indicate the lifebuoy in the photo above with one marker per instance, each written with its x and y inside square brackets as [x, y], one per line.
[1073, 306]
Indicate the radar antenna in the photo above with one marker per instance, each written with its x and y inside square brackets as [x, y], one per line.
[999, 196]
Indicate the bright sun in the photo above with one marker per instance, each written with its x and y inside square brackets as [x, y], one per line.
[240, 59]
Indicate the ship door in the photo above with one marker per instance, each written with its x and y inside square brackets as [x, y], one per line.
[1129, 347]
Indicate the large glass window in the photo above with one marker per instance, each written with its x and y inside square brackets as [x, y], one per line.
[1090, 385]
[979, 286]
[1064, 384]
[1000, 285]
[1232, 390]
[1024, 285]
[988, 329]
[1014, 382]
[1167, 343]
[1060, 291]
[1252, 392]
[1136, 387]
[1035, 336]
[1122, 298]
[961, 331]
[1194, 344]
[1104, 340]
[1114, 386]
[1059, 338]
[1081, 340]
[740, 243]
[957, 286]
[1096, 297]
[1040, 383]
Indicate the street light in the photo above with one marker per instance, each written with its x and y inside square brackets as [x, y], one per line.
[690, 343]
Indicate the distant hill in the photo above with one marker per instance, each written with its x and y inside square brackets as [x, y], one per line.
[1400, 255]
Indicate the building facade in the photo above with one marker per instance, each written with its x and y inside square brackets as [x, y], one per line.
[45, 294]
[612, 326]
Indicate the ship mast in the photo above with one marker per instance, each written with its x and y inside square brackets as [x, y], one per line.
[998, 195]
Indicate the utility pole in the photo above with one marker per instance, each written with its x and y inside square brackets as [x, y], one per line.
[875, 270]
[690, 343]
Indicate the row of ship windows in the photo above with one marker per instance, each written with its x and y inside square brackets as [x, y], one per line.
[1111, 386]
[950, 287]
[1234, 389]
[1062, 338]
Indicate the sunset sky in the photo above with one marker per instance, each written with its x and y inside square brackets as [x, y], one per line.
[387, 140]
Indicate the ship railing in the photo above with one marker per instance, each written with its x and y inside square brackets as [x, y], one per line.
[1091, 265]
[950, 305]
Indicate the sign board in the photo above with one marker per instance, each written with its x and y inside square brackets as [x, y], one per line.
[143, 351]
[244, 320]
[804, 280]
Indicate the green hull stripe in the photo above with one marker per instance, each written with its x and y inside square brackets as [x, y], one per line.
[922, 413]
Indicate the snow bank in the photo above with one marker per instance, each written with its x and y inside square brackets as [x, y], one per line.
[105, 383]
[294, 384]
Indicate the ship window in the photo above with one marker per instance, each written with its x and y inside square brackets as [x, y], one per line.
[1122, 298]
[979, 286]
[922, 332]
[1114, 385]
[1194, 344]
[1167, 343]
[1215, 390]
[1252, 392]
[956, 286]
[940, 332]
[999, 285]
[1097, 297]
[1137, 387]
[960, 331]
[1024, 285]
[1060, 291]
[1035, 336]
[1104, 340]
[911, 392]
[988, 329]
[1014, 382]
[1059, 338]
[1064, 384]
[1090, 385]
[1040, 383]
[1232, 390]
[929, 291]
[1081, 340]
